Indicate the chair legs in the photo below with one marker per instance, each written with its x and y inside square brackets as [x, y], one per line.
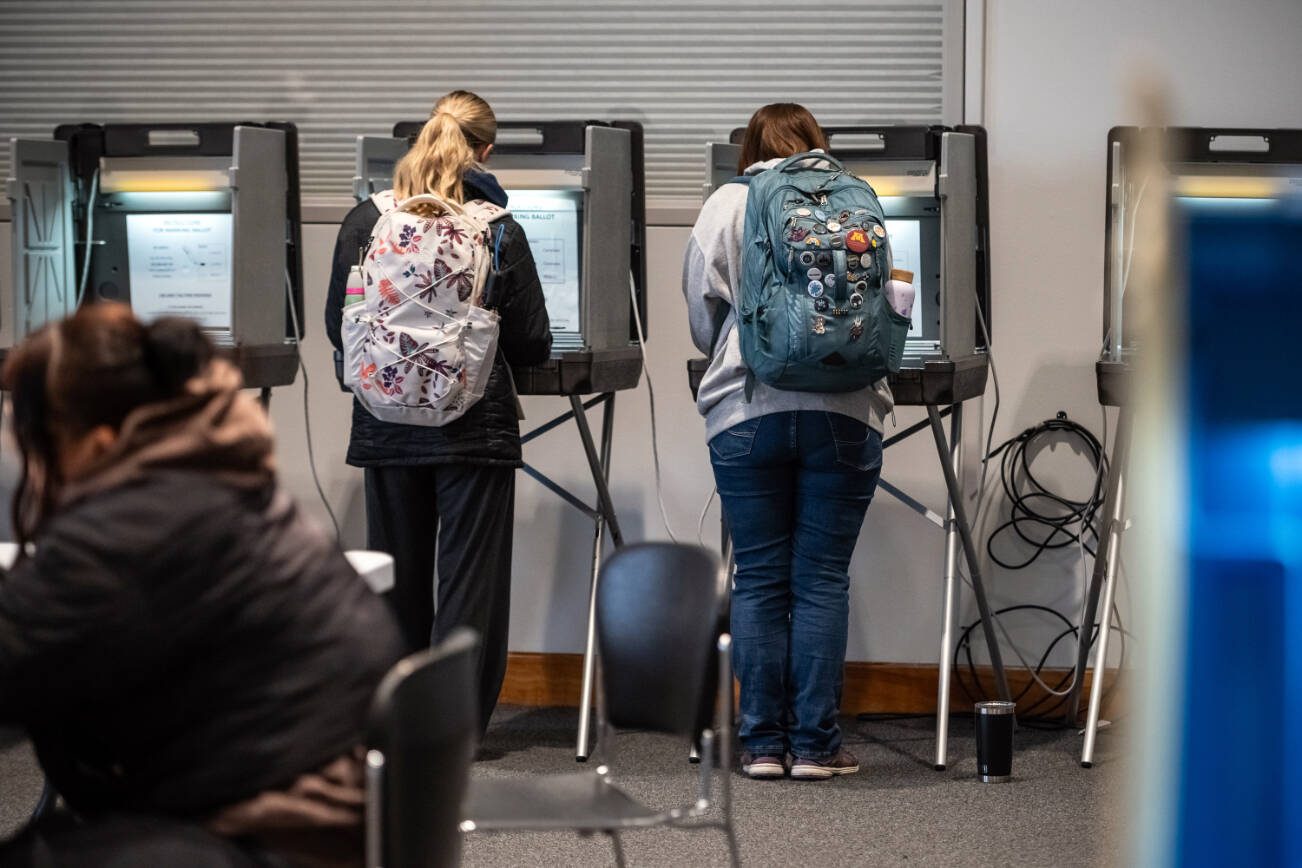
[734, 857]
[618, 847]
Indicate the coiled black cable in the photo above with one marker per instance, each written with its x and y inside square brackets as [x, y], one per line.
[1044, 520]
[1040, 517]
[1036, 713]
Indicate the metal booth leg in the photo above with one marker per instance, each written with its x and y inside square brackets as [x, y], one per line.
[600, 467]
[1101, 655]
[969, 549]
[1105, 571]
[1111, 512]
[951, 583]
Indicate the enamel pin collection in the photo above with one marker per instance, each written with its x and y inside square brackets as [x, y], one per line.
[836, 251]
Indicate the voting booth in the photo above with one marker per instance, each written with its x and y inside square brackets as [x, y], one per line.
[1216, 186]
[577, 189]
[1210, 171]
[194, 220]
[932, 185]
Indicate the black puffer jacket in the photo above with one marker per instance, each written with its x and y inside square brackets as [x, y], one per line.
[489, 432]
[177, 644]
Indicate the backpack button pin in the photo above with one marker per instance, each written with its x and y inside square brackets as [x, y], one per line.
[804, 212]
[856, 240]
[820, 304]
[830, 280]
[837, 242]
[807, 258]
[822, 218]
[815, 288]
[879, 231]
[833, 226]
[814, 274]
[856, 299]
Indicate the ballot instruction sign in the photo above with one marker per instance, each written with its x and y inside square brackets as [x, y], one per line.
[180, 265]
[552, 222]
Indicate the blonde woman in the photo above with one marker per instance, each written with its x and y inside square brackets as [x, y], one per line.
[444, 497]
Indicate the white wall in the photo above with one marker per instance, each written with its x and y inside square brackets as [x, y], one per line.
[1056, 79]
[1054, 84]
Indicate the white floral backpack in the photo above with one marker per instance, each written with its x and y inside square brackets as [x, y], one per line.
[420, 347]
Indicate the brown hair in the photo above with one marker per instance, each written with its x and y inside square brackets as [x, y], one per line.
[91, 369]
[445, 148]
[779, 129]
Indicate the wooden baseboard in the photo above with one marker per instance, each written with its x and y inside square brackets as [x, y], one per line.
[876, 688]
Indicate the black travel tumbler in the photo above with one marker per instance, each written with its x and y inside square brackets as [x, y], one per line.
[994, 738]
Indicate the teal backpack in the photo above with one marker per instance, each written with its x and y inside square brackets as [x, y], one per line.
[812, 314]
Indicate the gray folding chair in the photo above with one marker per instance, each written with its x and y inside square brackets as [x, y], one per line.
[421, 741]
[663, 667]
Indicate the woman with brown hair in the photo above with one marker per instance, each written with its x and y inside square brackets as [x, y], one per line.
[189, 654]
[795, 473]
[445, 496]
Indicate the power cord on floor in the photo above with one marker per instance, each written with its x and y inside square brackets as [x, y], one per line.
[1036, 712]
[1063, 521]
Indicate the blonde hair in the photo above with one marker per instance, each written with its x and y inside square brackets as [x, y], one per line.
[461, 124]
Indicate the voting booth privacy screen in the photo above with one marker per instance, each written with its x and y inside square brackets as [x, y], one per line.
[931, 182]
[191, 220]
[576, 190]
[1210, 172]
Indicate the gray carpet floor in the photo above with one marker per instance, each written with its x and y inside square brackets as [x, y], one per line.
[897, 811]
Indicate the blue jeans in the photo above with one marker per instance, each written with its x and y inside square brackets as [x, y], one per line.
[794, 488]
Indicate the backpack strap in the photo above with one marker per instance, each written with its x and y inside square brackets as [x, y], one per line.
[744, 180]
[432, 199]
[804, 161]
[484, 211]
[385, 201]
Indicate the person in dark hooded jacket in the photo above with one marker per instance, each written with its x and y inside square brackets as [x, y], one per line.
[193, 659]
[447, 494]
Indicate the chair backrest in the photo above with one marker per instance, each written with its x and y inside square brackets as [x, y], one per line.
[658, 618]
[421, 741]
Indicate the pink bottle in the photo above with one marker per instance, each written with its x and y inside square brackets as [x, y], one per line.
[355, 288]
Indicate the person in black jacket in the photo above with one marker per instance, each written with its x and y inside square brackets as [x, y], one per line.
[178, 640]
[447, 494]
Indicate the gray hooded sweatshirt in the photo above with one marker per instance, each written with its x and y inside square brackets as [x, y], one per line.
[711, 282]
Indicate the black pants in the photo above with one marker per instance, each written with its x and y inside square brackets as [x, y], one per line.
[462, 518]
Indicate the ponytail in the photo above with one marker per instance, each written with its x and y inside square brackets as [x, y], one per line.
[445, 148]
[175, 350]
